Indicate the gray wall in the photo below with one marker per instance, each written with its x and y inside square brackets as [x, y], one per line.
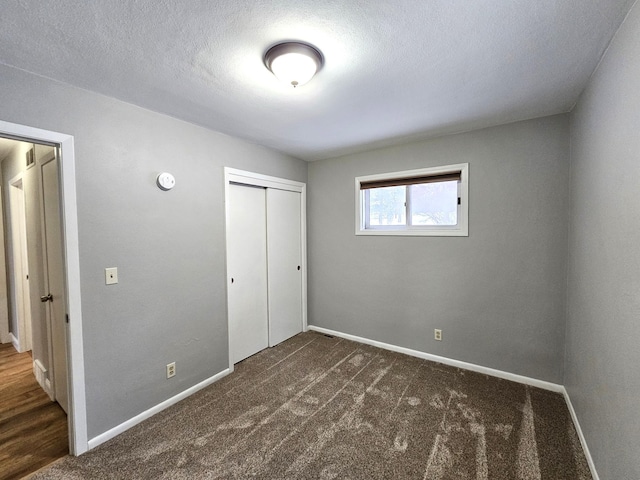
[603, 327]
[170, 303]
[498, 295]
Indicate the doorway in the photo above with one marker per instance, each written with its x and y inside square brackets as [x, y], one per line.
[266, 261]
[33, 250]
[68, 259]
[35, 283]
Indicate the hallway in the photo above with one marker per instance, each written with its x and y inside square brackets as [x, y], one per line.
[33, 429]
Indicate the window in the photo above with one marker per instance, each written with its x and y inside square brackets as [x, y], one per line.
[429, 201]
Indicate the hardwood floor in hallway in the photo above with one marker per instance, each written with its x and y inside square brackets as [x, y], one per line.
[33, 429]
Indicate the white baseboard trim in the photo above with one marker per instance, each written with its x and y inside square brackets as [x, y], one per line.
[15, 342]
[554, 387]
[41, 377]
[109, 434]
[583, 441]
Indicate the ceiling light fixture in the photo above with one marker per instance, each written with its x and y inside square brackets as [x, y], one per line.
[293, 63]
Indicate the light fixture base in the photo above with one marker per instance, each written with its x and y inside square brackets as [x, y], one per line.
[294, 63]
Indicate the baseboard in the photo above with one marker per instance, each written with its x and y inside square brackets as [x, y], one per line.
[41, 377]
[554, 387]
[109, 434]
[583, 441]
[15, 342]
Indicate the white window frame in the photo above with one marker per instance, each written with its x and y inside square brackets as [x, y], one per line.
[459, 230]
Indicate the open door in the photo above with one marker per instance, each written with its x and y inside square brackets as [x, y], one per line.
[21, 305]
[54, 294]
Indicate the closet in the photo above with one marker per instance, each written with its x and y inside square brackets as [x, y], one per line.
[265, 261]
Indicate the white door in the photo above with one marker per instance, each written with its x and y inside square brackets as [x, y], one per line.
[247, 271]
[284, 254]
[54, 295]
[22, 303]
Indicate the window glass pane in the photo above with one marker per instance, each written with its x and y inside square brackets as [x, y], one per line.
[434, 203]
[387, 206]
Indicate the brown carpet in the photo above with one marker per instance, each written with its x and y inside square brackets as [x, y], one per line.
[324, 408]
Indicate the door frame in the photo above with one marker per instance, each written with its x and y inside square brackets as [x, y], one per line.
[21, 290]
[233, 175]
[77, 417]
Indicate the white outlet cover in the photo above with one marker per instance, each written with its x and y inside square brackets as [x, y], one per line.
[111, 275]
[166, 181]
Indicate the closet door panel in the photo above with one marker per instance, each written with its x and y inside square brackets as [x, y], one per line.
[284, 259]
[247, 271]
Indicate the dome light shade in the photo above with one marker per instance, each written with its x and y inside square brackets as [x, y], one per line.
[293, 63]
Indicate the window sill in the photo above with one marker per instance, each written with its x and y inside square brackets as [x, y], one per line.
[432, 232]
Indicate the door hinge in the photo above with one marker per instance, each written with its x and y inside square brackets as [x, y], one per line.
[67, 316]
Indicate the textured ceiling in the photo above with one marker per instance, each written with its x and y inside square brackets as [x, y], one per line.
[393, 69]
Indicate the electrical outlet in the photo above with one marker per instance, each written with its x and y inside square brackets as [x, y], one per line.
[171, 369]
[437, 334]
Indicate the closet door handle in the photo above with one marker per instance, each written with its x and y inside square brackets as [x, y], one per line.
[298, 267]
[232, 280]
[46, 298]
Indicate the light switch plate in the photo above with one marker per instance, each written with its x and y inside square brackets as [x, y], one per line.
[111, 275]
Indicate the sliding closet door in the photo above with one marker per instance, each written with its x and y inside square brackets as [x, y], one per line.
[247, 271]
[284, 259]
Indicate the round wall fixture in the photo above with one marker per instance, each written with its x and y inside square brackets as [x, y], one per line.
[293, 63]
[165, 181]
